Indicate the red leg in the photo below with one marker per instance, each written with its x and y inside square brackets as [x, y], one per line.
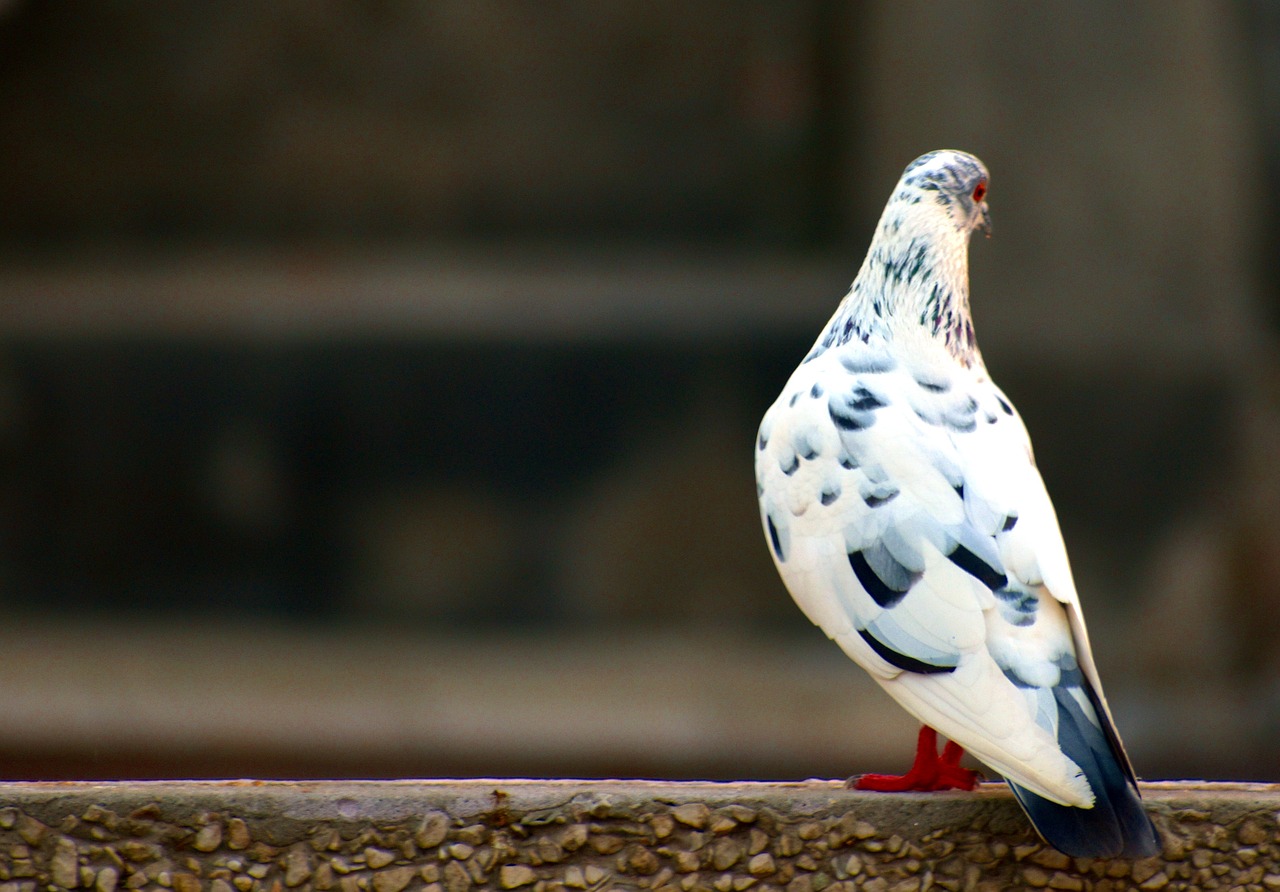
[927, 773]
[950, 775]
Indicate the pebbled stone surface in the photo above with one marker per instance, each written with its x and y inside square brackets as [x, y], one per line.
[547, 836]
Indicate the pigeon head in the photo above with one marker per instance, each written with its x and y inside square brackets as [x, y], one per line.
[953, 182]
[915, 277]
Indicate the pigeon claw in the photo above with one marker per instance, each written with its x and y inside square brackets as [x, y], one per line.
[929, 773]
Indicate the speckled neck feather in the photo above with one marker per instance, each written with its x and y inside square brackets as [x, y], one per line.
[916, 273]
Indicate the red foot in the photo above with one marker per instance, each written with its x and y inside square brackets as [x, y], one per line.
[929, 772]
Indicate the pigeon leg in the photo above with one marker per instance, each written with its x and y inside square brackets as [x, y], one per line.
[950, 775]
[928, 772]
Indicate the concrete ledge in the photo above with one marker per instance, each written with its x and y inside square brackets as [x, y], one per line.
[453, 836]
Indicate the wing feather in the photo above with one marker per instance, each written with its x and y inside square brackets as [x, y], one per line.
[924, 579]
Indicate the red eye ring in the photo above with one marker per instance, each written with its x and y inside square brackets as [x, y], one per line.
[979, 192]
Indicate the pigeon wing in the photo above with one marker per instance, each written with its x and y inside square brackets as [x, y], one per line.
[897, 511]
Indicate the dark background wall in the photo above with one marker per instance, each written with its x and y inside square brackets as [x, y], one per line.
[377, 380]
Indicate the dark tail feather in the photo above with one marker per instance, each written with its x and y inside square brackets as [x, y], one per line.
[1116, 825]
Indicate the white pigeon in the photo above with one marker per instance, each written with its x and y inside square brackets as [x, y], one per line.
[902, 506]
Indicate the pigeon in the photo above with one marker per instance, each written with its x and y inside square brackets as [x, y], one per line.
[903, 508]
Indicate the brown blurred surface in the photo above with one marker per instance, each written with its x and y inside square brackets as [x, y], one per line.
[209, 700]
[457, 319]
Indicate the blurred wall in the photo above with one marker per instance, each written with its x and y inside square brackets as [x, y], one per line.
[459, 315]
[398, 120]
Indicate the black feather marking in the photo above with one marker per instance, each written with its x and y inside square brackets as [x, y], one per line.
[1004, 404]
[774, 540]
[901, 660]
[829, 494]
[855, 411]
[864, 400]
[847, 462]
[843, 330]
[1009, 523]
[804, 447]
[958, 416]
[876, 499]
[934, 386]
[917, 261]
[979, 569]
[1022, 605]
[762, 442]
[847, 421]
[815, 391]
[792, 402]
[1017, 680]
[884, 591]
[789, 467]
[871, 583]
[1116, 825]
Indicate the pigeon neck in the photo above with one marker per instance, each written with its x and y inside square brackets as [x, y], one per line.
[914, 282]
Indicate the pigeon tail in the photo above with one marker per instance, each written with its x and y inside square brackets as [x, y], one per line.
[1116, 825]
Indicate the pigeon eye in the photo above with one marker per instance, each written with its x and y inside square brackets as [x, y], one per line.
[979, 192]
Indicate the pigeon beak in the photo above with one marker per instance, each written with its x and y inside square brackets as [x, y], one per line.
[984, 220]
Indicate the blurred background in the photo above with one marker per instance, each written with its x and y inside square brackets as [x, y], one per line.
[378, 379]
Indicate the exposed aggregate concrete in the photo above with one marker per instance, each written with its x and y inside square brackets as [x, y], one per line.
[552, 836]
